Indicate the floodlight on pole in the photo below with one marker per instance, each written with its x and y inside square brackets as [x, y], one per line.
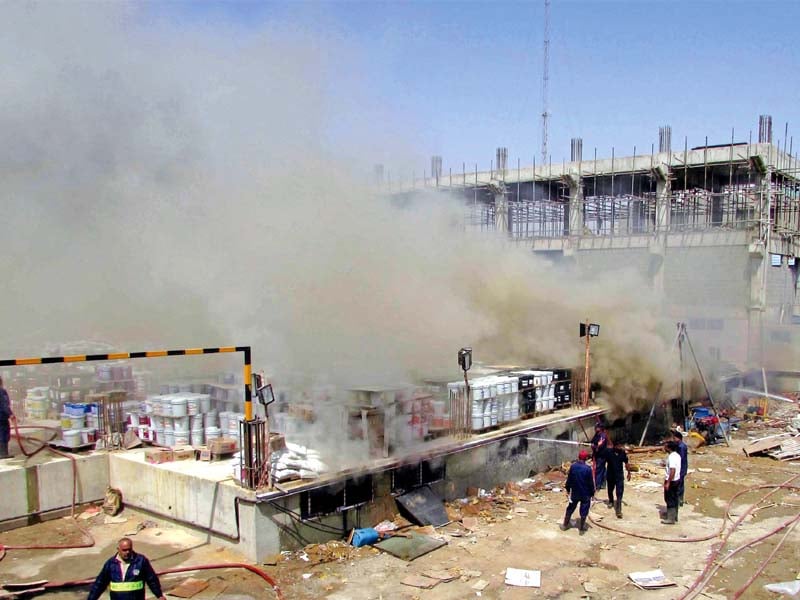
[587, 330]
[463, 416]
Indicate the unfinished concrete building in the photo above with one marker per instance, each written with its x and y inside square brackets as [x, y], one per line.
[715, 229]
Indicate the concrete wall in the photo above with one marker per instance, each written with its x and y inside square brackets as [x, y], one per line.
[39, 488]
[708, 276]
[168, 490]
[780, 284]
[600, 261]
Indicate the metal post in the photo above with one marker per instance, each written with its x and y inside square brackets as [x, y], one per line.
[586, 369]
[703, 379]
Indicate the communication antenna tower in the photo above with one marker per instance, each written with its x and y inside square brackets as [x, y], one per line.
[545, 79]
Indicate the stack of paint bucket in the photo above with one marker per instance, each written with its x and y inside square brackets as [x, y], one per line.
[36, 403]
[176, 419]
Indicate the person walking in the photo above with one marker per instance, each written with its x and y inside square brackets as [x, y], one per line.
[125, 574]
[6, 415]
[683, 451]
[580, 490]
[671, 482]
[617, 464]
[599, 452]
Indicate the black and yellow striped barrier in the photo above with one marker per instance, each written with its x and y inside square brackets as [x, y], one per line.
[247, 370]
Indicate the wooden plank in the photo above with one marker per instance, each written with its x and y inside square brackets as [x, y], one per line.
[763, 444]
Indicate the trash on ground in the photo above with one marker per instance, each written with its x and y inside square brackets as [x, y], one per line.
[523, 577]
[650, 579]
[480, 585]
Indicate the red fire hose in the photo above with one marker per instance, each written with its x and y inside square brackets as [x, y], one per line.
[255, 570]
[88, 539]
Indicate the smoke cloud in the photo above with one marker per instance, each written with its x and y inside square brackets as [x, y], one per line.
[170, 186]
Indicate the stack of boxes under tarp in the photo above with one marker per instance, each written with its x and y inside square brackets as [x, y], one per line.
[507, 397]
[563, 387]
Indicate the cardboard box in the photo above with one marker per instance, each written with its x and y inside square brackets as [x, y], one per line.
[203, 453]
[222, 445]
[185, 453]
[157, 456]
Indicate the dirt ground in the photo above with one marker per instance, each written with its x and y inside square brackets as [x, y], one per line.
[516, 526]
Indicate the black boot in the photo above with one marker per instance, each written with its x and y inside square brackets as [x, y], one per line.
[4, 450]
[583, 527]
[565, 525]
[618, 508]
[671, 518]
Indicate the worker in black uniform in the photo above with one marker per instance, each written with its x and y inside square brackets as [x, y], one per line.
[617, 462]
[125, 574]
[580, 489]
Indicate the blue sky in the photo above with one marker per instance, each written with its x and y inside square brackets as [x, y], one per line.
[461, 78]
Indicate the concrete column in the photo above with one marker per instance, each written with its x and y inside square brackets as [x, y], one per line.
[575, 224]
[658, 246]
[502, 221]
[501, 213]
[758, 251]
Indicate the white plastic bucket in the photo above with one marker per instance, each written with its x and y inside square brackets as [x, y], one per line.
[87, 435]
[181, 439]
[157, 435]
[133, 419]
[179, 406]
[196, 422]
[180, 424]
[66, 421]
[224, 417]
[77, 422]
[192, 404]
[197, 437]
[211, 419]
[169, 438]
[212, 433]
[205, 403]
[72, 437]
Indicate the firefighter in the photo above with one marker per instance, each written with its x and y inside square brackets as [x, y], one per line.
[580, 489]
[125, 574]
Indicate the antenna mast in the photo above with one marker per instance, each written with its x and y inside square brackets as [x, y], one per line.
[545, 79]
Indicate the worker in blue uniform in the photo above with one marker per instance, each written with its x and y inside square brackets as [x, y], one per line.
[6, 415]
[683, 452]
[580, 489]
[126, 574]
[600, 445]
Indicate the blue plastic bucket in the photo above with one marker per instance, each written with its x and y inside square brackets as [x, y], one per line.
[363, 537]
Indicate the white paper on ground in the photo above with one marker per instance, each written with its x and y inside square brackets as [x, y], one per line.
[523, 577]
[650, 579]
[790, 588]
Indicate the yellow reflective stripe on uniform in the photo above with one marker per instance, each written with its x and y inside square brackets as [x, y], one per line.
[126, 586]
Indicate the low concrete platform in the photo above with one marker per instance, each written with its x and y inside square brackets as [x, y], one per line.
[204, 496]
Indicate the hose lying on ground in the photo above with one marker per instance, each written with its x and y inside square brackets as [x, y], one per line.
[54, 585]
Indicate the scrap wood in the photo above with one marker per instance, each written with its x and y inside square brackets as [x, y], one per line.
[443, 575]
[420, 581]
[188, 588]
[764, 444]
